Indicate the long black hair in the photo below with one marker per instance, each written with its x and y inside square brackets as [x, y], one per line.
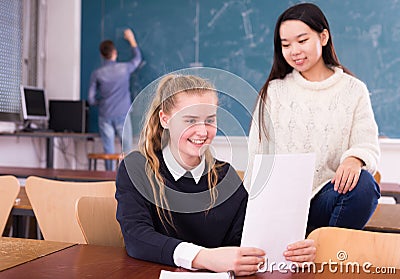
[311, 15]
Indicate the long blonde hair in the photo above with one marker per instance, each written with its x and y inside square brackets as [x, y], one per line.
[154, 138]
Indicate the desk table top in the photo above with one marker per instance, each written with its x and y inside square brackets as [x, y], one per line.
[50, 134]
[91, 261]
[60, 174]
[22, 201]
[390, 188]
[386, 218]
[16, 251]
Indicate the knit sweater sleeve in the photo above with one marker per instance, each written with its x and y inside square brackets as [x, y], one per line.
[364, 132]
[142, 241]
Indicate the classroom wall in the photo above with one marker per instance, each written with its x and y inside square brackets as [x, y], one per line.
[61, 79]
[63, 42]
[62, 55]
[390, 160]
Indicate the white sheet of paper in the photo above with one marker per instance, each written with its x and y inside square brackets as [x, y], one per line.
[278, 205]
[192, 275]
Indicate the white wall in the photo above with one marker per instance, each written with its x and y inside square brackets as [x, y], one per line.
[62, 49]
[24, 152]
[59, 74]
[389, 165]
[232, 150]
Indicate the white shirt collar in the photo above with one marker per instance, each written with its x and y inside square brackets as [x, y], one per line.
[177, 170]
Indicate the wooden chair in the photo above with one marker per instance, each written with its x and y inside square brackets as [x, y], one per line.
[53, 203]
[9, 189]
[379, 249]
[97, 218]
[93, 157]
[240, 174]
[377, 177]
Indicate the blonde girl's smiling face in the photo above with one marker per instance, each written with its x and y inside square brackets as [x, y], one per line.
[302, 48]
[192, 125]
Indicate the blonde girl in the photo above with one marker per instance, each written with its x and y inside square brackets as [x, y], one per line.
[177, 204]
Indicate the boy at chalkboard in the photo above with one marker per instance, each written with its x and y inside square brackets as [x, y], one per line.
[109, 90]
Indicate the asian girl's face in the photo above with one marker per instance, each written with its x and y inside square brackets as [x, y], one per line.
[302, 48]
[192, 125]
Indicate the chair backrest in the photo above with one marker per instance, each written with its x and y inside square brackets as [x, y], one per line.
[240, 174]
[378, 177]
[53, 203]
[347, 245]
[9, 189]
[97, 218]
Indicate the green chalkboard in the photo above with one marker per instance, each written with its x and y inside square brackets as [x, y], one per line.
[237, 36]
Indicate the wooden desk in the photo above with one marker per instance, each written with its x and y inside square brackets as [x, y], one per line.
[50, 136]
[21, 213]
[391, 190]
[386, 218]
[22, 201]
[16, 251]
[22, 204]
[60, 174]
[90, 261]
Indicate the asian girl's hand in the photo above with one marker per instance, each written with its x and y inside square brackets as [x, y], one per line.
[242, 260]
[347, 175]
[301, 251]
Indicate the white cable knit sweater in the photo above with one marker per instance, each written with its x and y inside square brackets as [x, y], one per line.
[332, 118]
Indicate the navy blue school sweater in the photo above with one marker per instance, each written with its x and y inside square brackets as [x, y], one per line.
[147, 238]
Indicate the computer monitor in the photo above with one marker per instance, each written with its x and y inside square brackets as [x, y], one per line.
[69, 116]
[34, 103]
